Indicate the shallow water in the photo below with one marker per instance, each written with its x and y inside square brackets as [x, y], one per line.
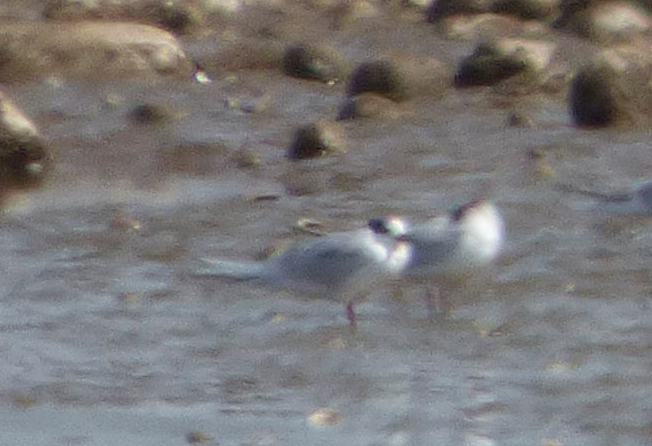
[107, 339]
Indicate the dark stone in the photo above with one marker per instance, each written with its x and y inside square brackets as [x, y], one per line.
[316, 139]
[592, 102]
[24, 163]
[308, 62]
[369, 105]
[440, 9]
[380, 77]
[487, 66]
[151, 114]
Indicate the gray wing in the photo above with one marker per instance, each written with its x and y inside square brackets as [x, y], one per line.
[432, 247]
[329, 261]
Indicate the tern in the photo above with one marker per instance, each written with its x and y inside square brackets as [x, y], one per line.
[453, 245]
[339, 266]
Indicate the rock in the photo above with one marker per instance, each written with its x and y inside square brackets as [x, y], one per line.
[518, 119]
[488, 26]
[179, 16]
[440, 9]
[369, 105]
[316, 139]
[613, 89]
[523, 9]
[603, 20]
[401, 77]
[149, 113]
[592, 101]
[497, 60]
[311, 62]
[89, 50]
[527, 9]
[24, 158]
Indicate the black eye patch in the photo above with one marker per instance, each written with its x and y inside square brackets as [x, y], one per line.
[378, 226]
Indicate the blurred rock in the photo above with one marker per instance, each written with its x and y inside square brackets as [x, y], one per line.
[89, 50]
[316, 139]
[518, 119]
[24, 157]
[523, 9]
[198, 438]
[488, 26]
[401, 77]
[527, 9]
[497, 60]
[370, 105]
[149, 113]
[603, 20]
[312, 62]
[592, 99]
[613, 89]
[178, 16]
[440, 9]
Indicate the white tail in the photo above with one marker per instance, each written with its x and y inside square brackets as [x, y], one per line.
[232, 269]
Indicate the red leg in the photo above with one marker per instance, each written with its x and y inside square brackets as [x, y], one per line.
[350, 314]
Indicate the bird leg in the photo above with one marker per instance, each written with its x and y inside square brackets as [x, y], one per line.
[438, 304]
[350, 314]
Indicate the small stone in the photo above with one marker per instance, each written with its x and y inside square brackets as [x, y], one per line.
[380, 77]
[592, 102]
[369, 105]
[152, 113]
[246, 159]
[518, 119]
[317, 139]
[310, 62]
[125, 223]
[175, 16]
[198, 438]
[324, 417]
[401, 77]
[310, 226]
[494, 61]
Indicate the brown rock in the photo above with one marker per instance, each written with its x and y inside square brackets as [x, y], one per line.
[497, 60]
[370, 105]
[178, 16]
[313, 62]
[603, 21]
[527, 9]
[440, 9]
[316, 139]
[89, 50]
[150, 113]
[523, 9]
[24, 157]
[401, 77]
[613, 89]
